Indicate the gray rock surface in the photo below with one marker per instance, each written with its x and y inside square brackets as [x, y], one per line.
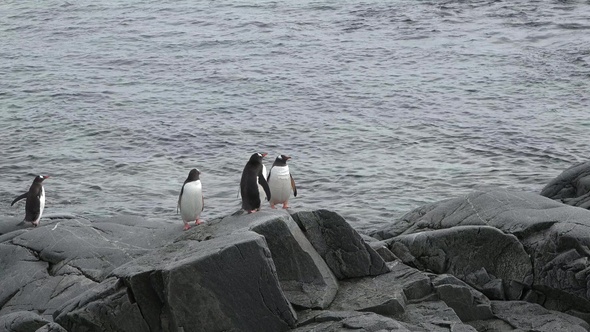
[571, 187]
[343, 249]
[22, 321]
[336, 321]
[387, 294]
[533, 317]
[464, 251]
[555, 237]
[223, 284]
[468, 303]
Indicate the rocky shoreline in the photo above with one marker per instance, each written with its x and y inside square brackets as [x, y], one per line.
[489, 261]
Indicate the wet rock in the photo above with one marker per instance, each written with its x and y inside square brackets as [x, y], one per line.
[22, 321]
[336, 321]
[435, 316]
[227, 283]
[305, 278]
[468, 303]
[465, 251]
[386, 294]
[571, 187]
[555, 237]
[533, 317]
[106, 307]
[343, 249]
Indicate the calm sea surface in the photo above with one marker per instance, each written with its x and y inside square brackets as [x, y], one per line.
[383, 105]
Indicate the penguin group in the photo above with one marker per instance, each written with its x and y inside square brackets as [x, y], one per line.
[255, 187]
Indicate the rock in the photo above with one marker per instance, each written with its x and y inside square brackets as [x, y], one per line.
[555, 237]
[22, 321]
[468, 303]
[226, 283]
[51, 327]
[96, 248]
[386, 294]
[572, 186]
[380, 247]
[343, 249]
[533, 317]
[305, 278]
[435, 316]
[336, 321]
[45, 295]
[465, 250]
[105, 307]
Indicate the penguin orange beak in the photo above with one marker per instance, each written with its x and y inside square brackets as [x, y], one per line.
[287, 157]
[264, 154]
[45, 177]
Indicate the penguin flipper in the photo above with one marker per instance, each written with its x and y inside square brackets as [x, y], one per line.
[203, 203]
[268, 177]
[265, 186]
[179, 197]
[19, 198]
[293, 186]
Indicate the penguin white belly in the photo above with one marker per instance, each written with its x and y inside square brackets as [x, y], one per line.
[41, 204]
[280, 184]
[191, 202]
[260, 189]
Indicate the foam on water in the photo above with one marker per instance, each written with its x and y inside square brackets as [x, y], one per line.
[384, 106]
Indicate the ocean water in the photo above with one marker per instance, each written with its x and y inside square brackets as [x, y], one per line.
[383, 105]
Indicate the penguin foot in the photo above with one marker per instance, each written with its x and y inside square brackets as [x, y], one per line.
[187, 227]
[272, 206]
[35, 223]
[199, 221]
[252, 211]
[286, 206]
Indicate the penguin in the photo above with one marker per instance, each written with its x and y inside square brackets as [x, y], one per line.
[251, 177]
[280, 182]
[191, 201]
[261, 192]
[35, 200]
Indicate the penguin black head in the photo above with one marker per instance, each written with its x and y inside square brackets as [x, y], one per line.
[40, 178]
[193, 175]
[258, 156]
[281, 160]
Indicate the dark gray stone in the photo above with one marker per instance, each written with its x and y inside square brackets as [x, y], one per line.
[554, 235]
[96, 248]
[305, 278]
[45, 295]
[386, 294]
[104, 308]
[572, 186]
[533, 317]
[51, 327]
[435, 316]
[336, 321]
[465, 250]
[343, 249]
[223, 284]
[22, 321]
[468, 303]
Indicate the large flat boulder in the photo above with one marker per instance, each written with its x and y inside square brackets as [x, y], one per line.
[533, 317]
[464, 251]
[337, 321]
[222, 284]
[555, 237]
[26, 321]
[387, 294]
[571, 187]
[44, 267]
[343, 249]
[305, 277]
